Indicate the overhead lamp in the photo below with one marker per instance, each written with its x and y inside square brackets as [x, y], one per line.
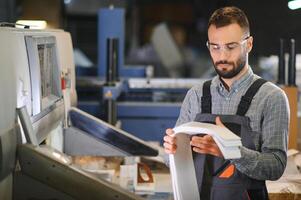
[34, 24]
[67, 1]
[295, 4]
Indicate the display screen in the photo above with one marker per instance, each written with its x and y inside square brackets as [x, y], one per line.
[46, 54]
[44, 72]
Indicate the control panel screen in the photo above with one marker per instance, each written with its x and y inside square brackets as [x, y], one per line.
[44, 72]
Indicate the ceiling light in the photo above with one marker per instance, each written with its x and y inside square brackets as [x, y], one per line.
[293, 5]
[34, 24]
[67, 1]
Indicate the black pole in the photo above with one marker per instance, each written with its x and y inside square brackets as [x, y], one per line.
[111, 111]
[111, 78]
[281, 64]
[112, 61]
[292, 64]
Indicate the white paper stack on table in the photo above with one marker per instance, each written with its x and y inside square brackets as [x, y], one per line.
[181, 163]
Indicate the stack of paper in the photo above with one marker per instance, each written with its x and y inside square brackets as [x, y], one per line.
[181, 163]
[226, 140]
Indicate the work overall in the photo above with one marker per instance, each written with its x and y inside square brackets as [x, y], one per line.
[217, 178]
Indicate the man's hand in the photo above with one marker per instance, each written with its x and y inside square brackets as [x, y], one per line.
[169, 142]
[205, 144]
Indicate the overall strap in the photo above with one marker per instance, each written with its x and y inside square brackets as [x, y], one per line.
[206, 98]
[246, 99]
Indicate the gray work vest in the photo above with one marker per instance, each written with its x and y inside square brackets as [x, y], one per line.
[217, 178]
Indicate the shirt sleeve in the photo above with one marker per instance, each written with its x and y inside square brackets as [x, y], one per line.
[187, 114]
[270, 162]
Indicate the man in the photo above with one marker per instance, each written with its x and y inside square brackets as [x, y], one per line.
[250, 107]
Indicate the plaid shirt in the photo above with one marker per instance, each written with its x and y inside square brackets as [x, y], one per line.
[268, 113]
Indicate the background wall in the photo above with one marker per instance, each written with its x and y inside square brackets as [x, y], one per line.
[269, 20]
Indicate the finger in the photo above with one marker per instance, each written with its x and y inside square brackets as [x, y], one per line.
[204, 142]
[197, 138]
[219, 122]
[201, 145]
[198, 143]
[207, 139]
[207, 144]
[170, 149]
[210, 151]
[169, 139]
[169, 131]
[198, 150]
[169, 146]
[204, 151]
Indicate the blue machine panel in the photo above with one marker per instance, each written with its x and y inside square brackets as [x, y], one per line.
[110, 25]
[148, 129]
[148, 120]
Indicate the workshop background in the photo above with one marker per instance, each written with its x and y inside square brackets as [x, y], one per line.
[147, 110]
[144, 98]
[269, 21]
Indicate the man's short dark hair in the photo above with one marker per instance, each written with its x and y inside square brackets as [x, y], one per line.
[229, 15]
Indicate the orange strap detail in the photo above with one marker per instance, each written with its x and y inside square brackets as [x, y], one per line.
[228, 172]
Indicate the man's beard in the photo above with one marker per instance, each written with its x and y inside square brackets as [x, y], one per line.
[236, 67]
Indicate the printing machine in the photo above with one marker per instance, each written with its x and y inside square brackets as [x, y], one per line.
[40, 128]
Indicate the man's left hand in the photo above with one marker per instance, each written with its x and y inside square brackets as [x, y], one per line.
[206, 144]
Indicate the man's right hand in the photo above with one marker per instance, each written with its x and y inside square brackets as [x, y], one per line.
[169, 142]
